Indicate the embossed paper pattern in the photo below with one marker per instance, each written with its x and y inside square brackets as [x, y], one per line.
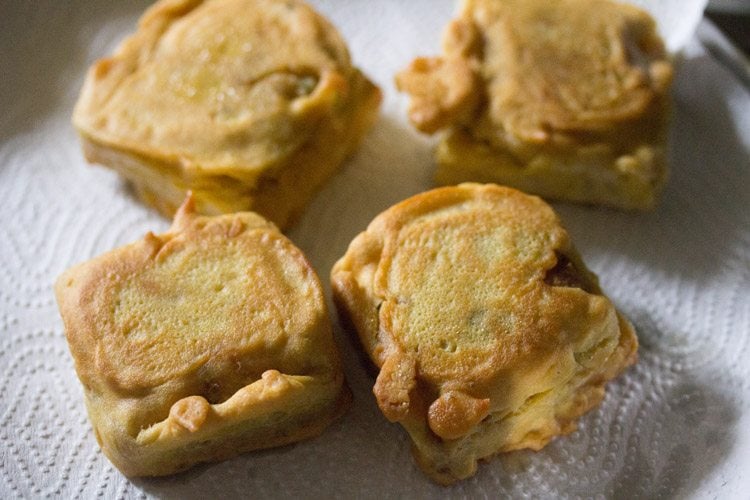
[677, 424]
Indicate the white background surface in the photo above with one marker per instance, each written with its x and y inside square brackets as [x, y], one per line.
[677, 424]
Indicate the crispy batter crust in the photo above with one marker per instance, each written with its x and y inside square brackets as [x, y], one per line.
[201, 343]
[489, 331]
[571, 90]
[230, 99]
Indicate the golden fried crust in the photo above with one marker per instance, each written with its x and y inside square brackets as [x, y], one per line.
[568, 65]
[581, 84]
[201, 343]
[489, 331]
[448, 82]
[221, 97]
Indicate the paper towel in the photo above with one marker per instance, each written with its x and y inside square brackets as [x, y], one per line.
[677, 424]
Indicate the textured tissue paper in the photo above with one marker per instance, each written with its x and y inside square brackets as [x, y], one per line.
[676, 424]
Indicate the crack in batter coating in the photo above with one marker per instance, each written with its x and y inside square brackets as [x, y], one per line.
[490, 333]
[251, 104]
[567, 99]
[201, 343]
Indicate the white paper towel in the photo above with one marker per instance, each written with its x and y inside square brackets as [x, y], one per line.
[677, 424]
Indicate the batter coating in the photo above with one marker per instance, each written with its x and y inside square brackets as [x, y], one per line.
[567, 99]
[490, 333]
[201, 343]
[251, 104]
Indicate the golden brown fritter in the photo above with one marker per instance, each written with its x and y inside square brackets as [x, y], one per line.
[567, 99]
[251, 104]
[201, 343]
[489, 331]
